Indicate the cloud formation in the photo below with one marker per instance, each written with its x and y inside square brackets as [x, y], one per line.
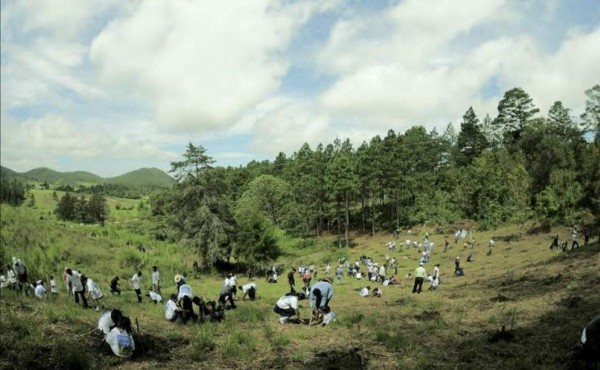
[130, 81]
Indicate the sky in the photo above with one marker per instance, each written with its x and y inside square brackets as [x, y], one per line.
[110, 86]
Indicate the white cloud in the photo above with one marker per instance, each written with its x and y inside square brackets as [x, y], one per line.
[42, 140]
[202, 64]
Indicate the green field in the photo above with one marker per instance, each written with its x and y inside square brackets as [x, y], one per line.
[542, 297]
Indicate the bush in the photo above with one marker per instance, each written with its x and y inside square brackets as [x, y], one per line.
[130, 258]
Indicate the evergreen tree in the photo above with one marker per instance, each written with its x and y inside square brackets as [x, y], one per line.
[514, 112]
[471, 141]
[65, 208]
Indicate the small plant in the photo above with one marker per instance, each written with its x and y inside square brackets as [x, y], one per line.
[395, 340]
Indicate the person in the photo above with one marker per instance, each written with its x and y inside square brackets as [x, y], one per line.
[328, 270]
[364, 292]
[53, 288]
[155, 279]
[226, 295]
[67, 282]
[382, 273]
[446, 244]
[554, 244]
[39, 290]
[328, 317]
[184, 291]
[287, 307]
[470, 258]
[586, 237]
[114, 286]
[249, 290]
[187, 307]
[457, 263]
[395, 265]
[590, 339]
[120, 339]
[306, 279]
[135, 279]
[408, 276]
[21, 271]
[433, 282]
[291, 280]
[107, 320]
[420, 275]
[273, 278]
[231, 281]
[172, 311]
[179, 281]
[458, 271]
[320, 294]
[78, 291]
[377, 292]
[154, 296]
[93, 291]
[436, 272]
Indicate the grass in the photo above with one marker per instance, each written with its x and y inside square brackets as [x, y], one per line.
[543, 298]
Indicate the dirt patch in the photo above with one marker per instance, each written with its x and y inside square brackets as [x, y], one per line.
[551, 280]
[501, 335]
[428, 315]
[571, 301]
[349, 358]
[500, 298]
[508, 238]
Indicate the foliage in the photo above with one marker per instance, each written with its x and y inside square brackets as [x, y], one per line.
[81, 210]
[12, 191]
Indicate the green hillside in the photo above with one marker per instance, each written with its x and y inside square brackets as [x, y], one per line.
[61, 178]
[143, 177]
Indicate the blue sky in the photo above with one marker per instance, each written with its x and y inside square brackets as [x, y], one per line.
[110, 86]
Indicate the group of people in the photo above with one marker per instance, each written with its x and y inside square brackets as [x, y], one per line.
[319, 296]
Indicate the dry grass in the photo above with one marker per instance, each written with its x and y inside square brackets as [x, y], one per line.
[543, 298]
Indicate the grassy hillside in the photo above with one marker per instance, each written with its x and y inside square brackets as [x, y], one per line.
[543, 298]
[143, 177]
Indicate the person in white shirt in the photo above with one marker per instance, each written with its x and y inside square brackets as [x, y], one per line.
[53, 288]
[155, 297]
[155, 279]
[185, 291]
[107, 320]
[75, 279]
[377, 292]
[249, 290]
[94, 292]
[136, 285]
[365, 291]
[120, 339]
[287, 307]
[39, 290]
[172, 312]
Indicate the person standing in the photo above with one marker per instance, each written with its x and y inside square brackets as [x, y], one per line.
[135, 279]
[53, 288]
[382, 273]
[291, 280]
[420, 275]
[446, 244]
[436, 273]
[67, 282]
[339, 273]
[155, 279]
[21, 272]
[78, 291]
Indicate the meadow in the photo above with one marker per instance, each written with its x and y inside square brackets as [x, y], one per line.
[543, 299]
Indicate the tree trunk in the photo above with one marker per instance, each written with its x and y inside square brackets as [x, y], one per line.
[347, 220]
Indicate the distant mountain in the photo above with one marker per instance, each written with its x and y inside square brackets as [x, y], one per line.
[61, 178]
[139, 178]
[143, 177]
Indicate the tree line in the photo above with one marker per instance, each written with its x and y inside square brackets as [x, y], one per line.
[519, 165]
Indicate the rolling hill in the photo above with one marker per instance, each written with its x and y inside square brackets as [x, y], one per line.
[137, 178]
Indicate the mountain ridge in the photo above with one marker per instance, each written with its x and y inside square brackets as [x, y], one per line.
[146, 176]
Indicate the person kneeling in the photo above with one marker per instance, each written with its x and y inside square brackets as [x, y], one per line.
[287, 307]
